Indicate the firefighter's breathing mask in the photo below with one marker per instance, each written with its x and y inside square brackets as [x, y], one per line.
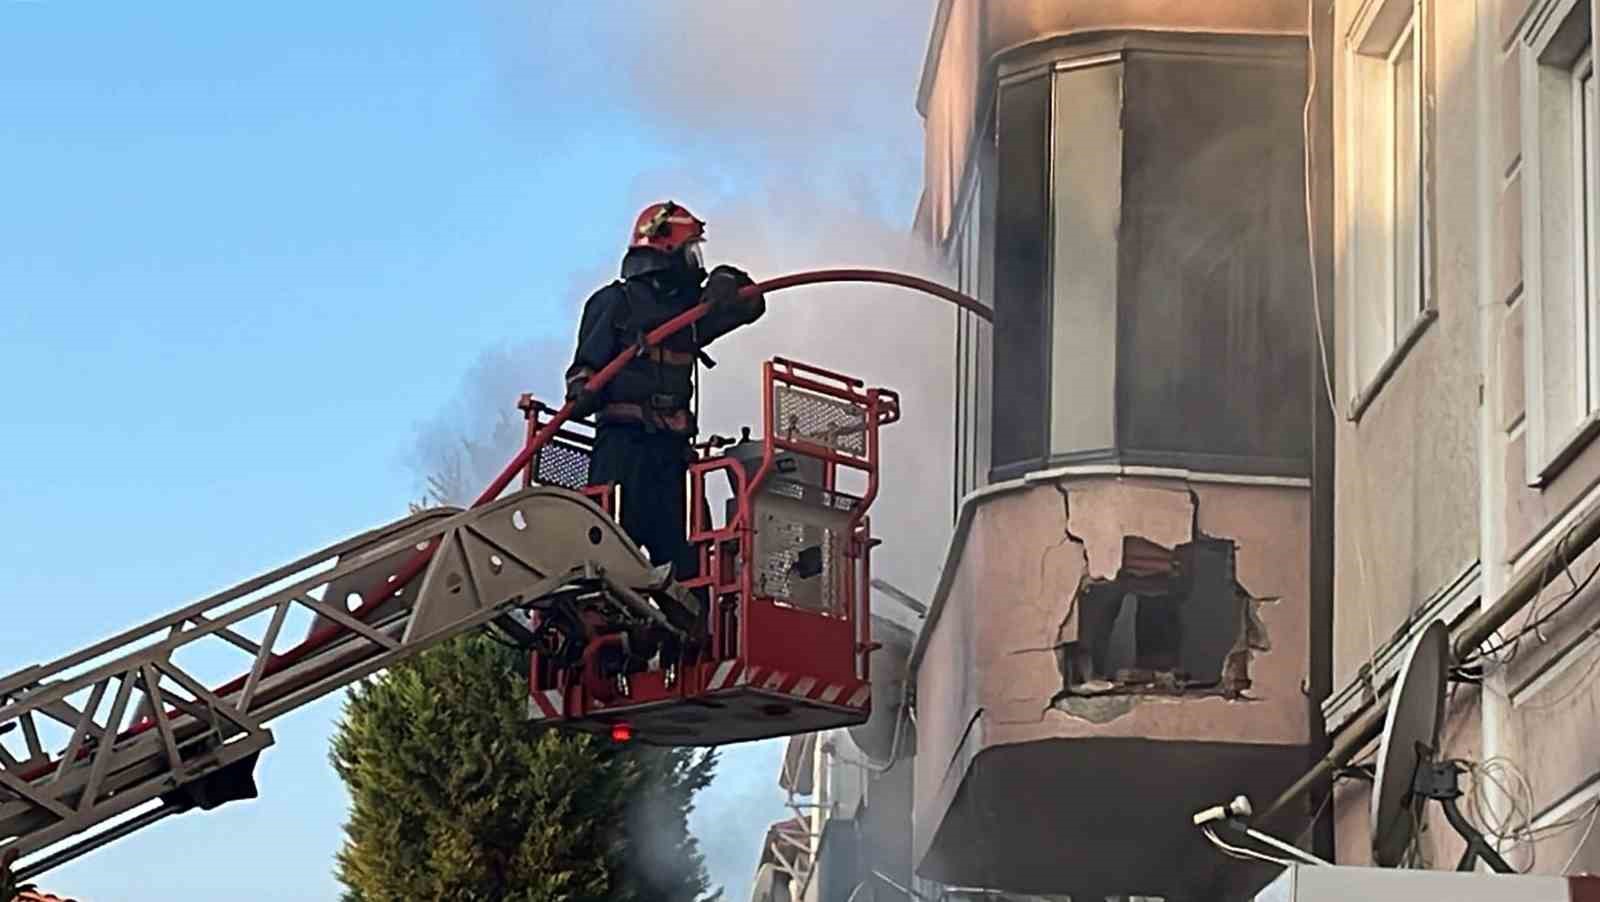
[694, 256]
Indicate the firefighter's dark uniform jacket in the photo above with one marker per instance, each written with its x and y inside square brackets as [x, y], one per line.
[645, 413]
[656, 388]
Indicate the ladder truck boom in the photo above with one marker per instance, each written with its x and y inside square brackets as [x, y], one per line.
[201, 744]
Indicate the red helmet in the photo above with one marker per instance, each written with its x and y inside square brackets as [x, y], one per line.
[668, 228]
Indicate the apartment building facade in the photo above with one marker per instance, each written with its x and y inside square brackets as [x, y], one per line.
[1123, 630]
[1306, 286]
[1126, 623]
[1466, 375]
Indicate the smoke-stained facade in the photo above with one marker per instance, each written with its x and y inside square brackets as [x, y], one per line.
[1130, 200]
[1123, 627]
[1092, 204]
[1192, 547]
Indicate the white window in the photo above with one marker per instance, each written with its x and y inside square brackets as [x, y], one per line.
[974, 354]
[1385, 296]
[1405, 182]
[1584, 149]
[1560, 141]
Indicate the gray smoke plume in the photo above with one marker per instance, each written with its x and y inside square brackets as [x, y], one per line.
[461, 448]
[886, 336]
[803, 87]
[798, 143]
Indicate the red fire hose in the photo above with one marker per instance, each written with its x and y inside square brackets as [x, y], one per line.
[671, 326]
[328, 631]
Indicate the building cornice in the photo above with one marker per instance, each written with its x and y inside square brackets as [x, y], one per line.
[1265, 20]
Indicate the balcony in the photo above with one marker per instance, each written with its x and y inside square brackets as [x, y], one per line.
[1121, 633]
[1108, 655]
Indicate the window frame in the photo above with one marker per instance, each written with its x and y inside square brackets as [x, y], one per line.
[1021, 274]
[1400, 320]
[1559, 226]
[1583, 174]
[966, 257]
[1379, 32]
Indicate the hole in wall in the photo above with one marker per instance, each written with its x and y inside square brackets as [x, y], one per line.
[1171, 621]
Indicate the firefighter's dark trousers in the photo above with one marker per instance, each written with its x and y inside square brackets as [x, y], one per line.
[651, 469]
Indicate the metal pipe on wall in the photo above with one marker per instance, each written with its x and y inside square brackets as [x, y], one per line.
[1472, 634]
[1494, 704]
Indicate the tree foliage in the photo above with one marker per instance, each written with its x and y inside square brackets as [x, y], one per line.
[454, 795]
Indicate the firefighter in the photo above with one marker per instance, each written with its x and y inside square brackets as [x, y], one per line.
[645, 416]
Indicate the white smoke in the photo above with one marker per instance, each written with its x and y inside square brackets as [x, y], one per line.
[813, 89]
[887, 336]
[797, 141]
[458, 450]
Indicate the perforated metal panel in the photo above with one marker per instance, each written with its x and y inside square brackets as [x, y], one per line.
[801, 415]
[784, 530]
[564, 465]
[782, 541]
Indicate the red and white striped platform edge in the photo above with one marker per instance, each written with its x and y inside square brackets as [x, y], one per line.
[547, 704]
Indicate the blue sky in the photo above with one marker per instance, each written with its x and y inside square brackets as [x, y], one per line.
[250, 253]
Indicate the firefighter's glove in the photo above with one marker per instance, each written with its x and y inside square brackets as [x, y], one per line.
[722, 292]
[584, 402]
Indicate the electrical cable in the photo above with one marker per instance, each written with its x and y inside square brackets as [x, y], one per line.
[1312, 824]
[1578, 686]
[1593, 816]
[1347, 773]
[1240, 851]
[1467, 643]
[1311, 225]
[1563, 826]
[1535, 624]
[1515, 824]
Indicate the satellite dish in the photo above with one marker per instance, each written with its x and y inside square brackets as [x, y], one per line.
[1410, 739]
[1409, 773]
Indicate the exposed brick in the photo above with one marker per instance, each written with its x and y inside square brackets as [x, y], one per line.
[1513, 385]
[1510, 17]
[1508, 232]
[1510, 112]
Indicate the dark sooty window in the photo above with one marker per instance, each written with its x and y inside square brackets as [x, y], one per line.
[1021, 270]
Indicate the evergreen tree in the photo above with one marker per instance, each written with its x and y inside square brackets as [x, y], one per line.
[454, 796]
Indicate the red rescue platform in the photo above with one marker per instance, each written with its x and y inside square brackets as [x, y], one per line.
[784, 571]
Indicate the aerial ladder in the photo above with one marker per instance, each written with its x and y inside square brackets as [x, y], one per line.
[770, 638]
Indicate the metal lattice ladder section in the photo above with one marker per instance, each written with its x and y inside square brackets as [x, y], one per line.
[122, 725]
